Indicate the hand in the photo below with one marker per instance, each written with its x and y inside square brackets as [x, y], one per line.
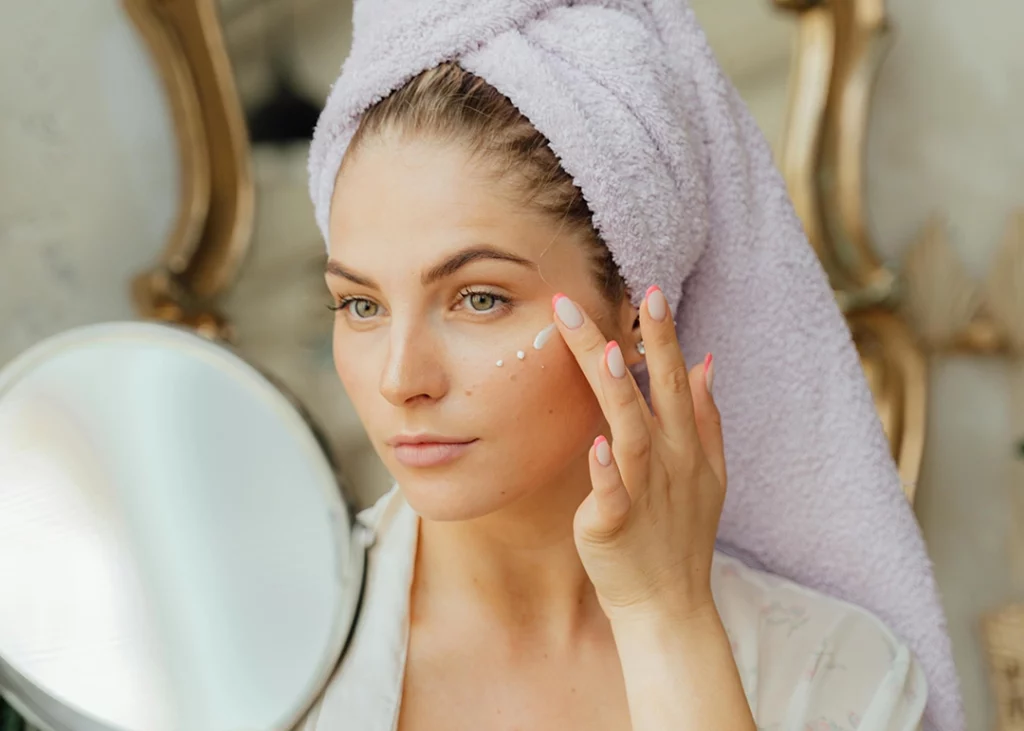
[646, 532]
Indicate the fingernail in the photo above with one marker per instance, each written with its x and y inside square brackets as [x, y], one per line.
[709, 372]
[613, 357]
[567, 312]
[657, 305]
[602, 451]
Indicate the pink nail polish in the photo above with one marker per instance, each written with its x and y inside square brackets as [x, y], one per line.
[709, 372]
[602, 451]
[613, 357]
[567, 311]
[657, 305]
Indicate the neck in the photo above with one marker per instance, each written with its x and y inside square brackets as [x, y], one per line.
[517, 567]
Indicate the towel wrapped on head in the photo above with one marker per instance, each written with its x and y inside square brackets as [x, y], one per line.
[685, 195]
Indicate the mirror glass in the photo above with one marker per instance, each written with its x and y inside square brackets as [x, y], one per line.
[175, 549]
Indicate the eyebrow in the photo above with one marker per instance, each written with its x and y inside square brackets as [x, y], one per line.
[446, 268]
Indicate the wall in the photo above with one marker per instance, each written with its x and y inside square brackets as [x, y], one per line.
[88, 166]
[945, 138]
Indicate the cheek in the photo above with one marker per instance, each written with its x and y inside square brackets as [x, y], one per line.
[540, 414]
[360, 377]
[343, 366]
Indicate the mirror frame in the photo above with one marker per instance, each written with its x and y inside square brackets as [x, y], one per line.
[839, 48]
[213, 229]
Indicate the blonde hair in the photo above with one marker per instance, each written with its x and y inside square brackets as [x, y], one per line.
[453, 105]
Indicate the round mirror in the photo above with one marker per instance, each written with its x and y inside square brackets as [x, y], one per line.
[175, 549]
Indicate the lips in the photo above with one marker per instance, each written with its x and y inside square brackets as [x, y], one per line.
[428, 450]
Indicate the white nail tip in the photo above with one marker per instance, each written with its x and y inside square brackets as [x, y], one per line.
[616, 363]
[568, 313]
[657, 305]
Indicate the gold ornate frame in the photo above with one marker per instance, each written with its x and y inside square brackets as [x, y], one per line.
[211, 236]
[839, 47]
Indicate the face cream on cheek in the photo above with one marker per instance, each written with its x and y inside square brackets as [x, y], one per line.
[538, 342]
[543, 336]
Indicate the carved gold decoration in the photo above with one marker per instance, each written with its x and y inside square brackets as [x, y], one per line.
[1004, 290]
[861, 40]
[193, 150]
[214, 225]
[839, 49]
[940, 296]
[1004, 643]
[809, 82]
[952, 312]
[897, 373]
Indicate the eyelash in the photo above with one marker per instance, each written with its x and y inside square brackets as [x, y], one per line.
[503, 303]
[345, 302]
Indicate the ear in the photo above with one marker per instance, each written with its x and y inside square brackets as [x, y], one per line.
[628, 331]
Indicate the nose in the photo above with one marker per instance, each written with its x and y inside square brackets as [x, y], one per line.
[414, 371]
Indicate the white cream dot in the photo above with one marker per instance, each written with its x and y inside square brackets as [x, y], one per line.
[500, 363]
[520, 355]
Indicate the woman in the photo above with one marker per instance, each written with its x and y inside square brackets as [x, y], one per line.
[548, 561]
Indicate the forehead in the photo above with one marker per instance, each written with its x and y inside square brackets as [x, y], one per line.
[403, 201]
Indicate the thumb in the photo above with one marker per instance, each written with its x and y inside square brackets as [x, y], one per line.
[709, 420]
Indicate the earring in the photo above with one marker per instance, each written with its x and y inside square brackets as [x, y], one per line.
[640, 348]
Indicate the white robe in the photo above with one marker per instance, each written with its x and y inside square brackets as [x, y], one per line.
[808, 662]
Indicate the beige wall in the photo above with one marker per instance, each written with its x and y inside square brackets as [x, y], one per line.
[88, 166]
[946, 137]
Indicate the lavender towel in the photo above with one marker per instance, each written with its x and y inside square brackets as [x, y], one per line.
[685, 194]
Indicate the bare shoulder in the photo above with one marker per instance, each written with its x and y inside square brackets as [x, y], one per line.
[804, 655]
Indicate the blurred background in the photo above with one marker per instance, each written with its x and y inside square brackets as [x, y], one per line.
[152, 163]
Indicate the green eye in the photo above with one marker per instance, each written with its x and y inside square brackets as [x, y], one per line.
[362, 308]
[357, 307]
[482, 301]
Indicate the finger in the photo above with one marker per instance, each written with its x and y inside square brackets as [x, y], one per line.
[631, 436]
[605, 509]
[666, 366]
[587, 344]
[707, 416]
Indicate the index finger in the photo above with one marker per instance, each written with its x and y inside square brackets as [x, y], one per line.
[587, 343]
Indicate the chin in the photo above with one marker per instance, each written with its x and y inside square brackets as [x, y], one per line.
[453, 494]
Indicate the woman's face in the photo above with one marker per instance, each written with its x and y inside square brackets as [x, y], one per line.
[440, 277]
